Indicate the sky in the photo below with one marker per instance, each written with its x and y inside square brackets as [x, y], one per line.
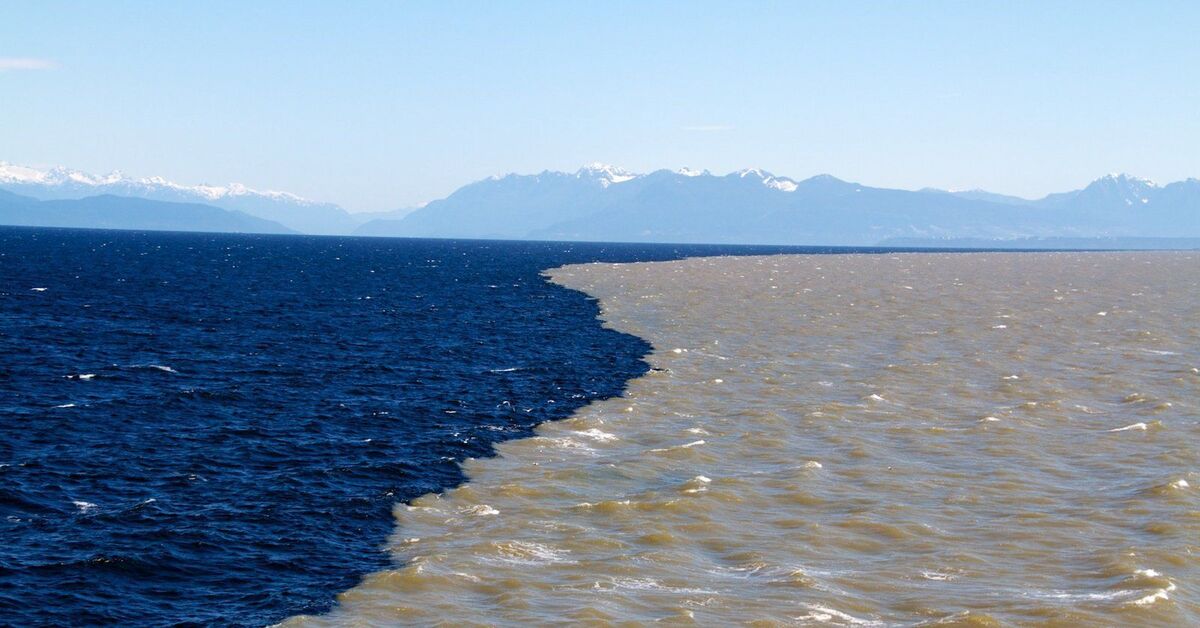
[382, 105]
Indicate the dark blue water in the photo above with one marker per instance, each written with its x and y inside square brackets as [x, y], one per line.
[200, 429]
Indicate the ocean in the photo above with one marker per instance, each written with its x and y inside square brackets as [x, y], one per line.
[204, 429]
[843, 440]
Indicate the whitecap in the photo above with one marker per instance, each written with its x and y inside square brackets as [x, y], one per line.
[1136, 426]
[530, 553]
[684, 446]
[650, 584]
[597, 435]
[157, 367]
[84, 506]
[566, 443]
[481, 510]
[1085, 597]
[38, 289]
[825, 614]
[1160, 594]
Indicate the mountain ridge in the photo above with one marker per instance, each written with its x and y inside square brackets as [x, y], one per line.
[117, 212]
[753, 206]
[749, 206]
[293, 211]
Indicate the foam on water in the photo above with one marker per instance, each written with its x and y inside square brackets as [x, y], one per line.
[910, 509]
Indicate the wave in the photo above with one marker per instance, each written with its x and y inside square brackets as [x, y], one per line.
[804, 478]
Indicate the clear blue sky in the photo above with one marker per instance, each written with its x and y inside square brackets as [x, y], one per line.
[377, 105]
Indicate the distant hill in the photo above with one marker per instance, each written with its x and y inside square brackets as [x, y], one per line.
[115, 212]
[1139, 244]
[294, 212]
[604, 203]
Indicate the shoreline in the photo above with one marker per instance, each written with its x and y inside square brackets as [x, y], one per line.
[618, 513]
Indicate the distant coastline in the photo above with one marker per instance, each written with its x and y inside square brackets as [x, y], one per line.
[1026, 244]
[600, 203]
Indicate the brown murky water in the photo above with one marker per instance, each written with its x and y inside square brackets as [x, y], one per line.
[968, 439]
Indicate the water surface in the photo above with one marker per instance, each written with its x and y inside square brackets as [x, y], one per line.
[200, 428]
[968, 439]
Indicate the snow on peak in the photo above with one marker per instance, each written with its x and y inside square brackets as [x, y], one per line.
[58, 176]
[688, 172]
[605, 173]
[1123, 187]
[1127, 179]
[783, 184]
[12, 173]
[17, 174]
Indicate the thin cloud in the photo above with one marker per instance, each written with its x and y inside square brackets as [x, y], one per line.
[708, 128]
[25, 63]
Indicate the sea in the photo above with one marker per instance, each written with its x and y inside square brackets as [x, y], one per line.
[203, 429]
[977, 439]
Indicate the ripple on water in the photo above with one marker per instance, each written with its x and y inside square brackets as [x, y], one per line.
[905, 460]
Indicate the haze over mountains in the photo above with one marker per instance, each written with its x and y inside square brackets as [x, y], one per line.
[605, 203]
[119, 212]
[752, 206]
[289, 210]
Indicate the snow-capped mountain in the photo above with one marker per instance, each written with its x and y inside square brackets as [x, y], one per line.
[600, 202]
[1113, 190]
[783, 184]
[288, 209]
[64, 182]
[603, 174]
[607, 203]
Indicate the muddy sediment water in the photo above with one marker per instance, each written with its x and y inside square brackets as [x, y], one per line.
[951, 439]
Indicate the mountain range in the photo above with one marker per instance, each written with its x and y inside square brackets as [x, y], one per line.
[752, 206]
[294, 212]
[118, 212]
[605, 203]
